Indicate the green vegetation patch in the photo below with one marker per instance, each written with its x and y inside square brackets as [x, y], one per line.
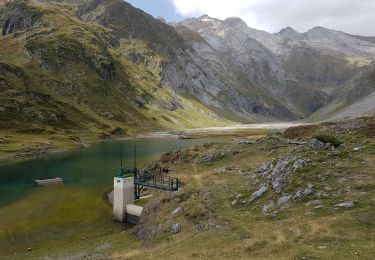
[328, 139]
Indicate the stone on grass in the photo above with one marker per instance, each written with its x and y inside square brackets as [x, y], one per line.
[268, 206]
[349, 204]
[309, 190]
[274, 213]
[177, 211]
[176, 228]
[257, 194]
[284, 200]
[298, 195]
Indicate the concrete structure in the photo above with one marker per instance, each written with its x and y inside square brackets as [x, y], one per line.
[133, 213]
[48, 182]
[123, 195]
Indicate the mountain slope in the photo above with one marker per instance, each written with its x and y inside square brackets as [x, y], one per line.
[59, 71]
[309, 71]
[103, 65]
[363, 107]
[350, 96]
[235, 52]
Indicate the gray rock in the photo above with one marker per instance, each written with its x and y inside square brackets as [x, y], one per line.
[268, 206]
[314, 203]
[274, 213]
[176, 228]
[144, 232]
[299, 164]
[315, 144]
[234, 203]
[246, 142]
[357, 149]
[349, 204]
[298, 195]
[284, 200]
[257, 194]
[224, 170]
[277, 185]
[213, 156]
[309, 190]
[177, 211]
[279, 171]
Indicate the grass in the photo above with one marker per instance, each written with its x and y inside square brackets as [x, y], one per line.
[298, 232]
[234, 232]
[90, 214]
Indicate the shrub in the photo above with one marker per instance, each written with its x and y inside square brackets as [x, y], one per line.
[328, 139]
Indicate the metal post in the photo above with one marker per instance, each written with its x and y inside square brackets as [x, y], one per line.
[121, 157]
[135, 157]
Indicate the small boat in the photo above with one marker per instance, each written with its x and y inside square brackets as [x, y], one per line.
[48, 182]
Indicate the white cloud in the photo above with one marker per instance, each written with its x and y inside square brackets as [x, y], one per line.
[356, 17]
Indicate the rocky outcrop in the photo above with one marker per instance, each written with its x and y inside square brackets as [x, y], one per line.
[279, 171]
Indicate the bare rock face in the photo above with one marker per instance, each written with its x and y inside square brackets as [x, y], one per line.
[308, 61]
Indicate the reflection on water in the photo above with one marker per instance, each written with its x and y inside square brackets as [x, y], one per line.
[88, 168]
[32, 215]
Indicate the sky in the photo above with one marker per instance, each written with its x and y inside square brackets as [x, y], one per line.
[351, 16]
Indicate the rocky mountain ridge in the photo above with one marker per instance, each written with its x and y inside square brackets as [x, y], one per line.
[321, 62]
[103, 64]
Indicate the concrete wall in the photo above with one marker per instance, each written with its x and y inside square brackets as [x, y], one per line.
[123, 195]
[133, 213]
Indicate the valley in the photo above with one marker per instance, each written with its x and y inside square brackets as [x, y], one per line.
[270, 134]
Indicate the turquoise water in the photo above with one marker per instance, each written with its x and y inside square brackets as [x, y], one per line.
[42, 217]
[93, 167]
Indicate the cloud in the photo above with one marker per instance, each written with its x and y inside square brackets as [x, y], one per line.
[356, 17]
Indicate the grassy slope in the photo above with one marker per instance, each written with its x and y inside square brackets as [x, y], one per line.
[300, 231]
[243, 232]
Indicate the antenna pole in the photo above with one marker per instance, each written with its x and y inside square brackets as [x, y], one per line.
[135, 157]
[121, 156]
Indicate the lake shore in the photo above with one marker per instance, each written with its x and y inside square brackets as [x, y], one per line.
[28, 147]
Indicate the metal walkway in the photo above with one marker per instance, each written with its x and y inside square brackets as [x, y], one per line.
[148, 180]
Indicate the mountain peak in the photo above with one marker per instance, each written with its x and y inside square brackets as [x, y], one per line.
[318, 29]
[205, 17]
[289, 32]
[234, 21]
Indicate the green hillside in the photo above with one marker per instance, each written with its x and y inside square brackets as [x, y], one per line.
[60, 74]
